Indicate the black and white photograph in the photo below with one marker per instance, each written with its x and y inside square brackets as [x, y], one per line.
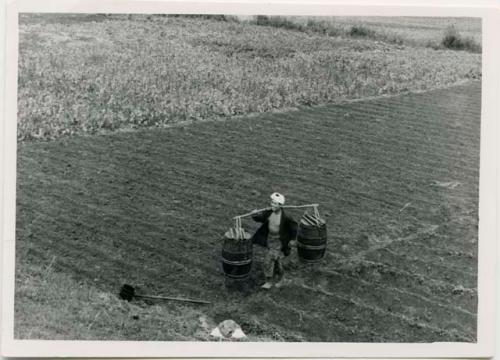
[247, 178]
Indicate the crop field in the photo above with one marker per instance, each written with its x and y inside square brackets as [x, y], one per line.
[396, 179]
[85, 74]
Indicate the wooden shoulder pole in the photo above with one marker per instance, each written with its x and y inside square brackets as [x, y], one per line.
[268, 208]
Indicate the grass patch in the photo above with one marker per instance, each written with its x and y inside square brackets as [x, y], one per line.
[361, 31]
[54, 306]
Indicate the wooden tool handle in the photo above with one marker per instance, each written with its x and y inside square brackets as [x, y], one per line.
[173, 298]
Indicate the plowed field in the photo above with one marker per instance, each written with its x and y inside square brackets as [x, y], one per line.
[396, 179]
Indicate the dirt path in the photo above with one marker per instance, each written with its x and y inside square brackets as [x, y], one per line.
[397, 180]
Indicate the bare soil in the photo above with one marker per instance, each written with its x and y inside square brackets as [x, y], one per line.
[396, 179]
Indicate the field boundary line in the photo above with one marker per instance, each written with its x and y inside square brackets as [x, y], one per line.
[289, 109]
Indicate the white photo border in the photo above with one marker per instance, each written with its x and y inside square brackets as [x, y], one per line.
[487, 271]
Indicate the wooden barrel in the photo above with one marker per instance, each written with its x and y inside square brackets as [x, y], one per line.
[311, 241]
[237, 252]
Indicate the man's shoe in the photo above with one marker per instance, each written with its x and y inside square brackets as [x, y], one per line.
[267, 285]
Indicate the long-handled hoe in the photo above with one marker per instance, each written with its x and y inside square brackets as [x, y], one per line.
[127, 292]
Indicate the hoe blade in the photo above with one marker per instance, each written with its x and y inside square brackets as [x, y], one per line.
[127, 292]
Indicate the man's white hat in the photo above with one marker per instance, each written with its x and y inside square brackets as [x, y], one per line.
[280, 199]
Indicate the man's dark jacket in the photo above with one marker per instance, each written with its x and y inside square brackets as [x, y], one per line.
[288, 230]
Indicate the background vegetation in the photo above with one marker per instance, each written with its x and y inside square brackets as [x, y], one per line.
[410, 31]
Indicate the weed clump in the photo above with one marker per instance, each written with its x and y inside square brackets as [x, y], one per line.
[453, 40]
[361, 31]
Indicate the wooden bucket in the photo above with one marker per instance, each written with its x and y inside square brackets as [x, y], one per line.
[237, 253]
[311, 239]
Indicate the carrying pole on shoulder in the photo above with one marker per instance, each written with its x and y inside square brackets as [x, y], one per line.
[315, 206]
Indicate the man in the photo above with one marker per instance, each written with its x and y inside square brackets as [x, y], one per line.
[275, 234]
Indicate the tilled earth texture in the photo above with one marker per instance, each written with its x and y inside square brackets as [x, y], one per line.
[396, 179]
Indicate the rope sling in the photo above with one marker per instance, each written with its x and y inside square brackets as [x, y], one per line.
[237, 233]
